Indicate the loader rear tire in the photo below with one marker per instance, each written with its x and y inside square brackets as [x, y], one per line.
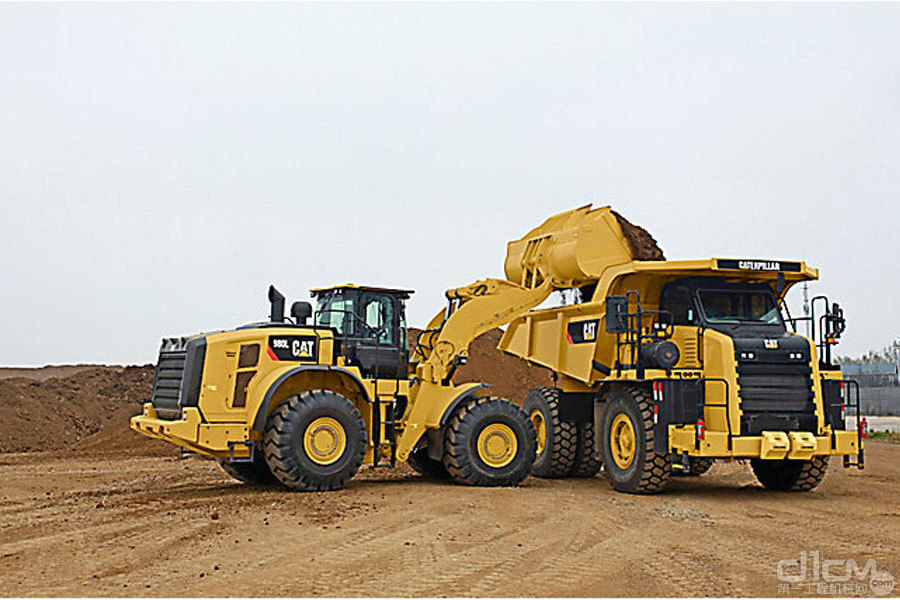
[557, 440]
[315, 441]
[489, 442]
[587, 455]
[629, 459]
[253, 473]
[697, 465]
[790, 475]
[426, 466]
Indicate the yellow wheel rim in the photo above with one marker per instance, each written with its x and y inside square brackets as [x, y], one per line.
[622, 441]
[497, 445]
[324, 441]
[540, 428]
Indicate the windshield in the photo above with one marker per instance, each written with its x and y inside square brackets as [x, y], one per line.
[333, 312]
[739, 306]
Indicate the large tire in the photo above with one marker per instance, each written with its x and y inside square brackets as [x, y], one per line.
[697, 465]
[253, 473]
[790, 475]
[632, 466]
[426, 466]
[587, 455]
[489, 442]
[315, 441]
[557, 439]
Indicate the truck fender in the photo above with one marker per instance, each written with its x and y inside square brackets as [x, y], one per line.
[262, 413]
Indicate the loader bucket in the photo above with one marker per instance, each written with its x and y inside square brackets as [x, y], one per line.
[575, 247]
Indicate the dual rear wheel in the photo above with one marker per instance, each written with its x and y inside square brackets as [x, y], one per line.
[564, 448]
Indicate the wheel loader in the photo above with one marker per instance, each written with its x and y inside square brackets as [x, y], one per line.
[660, 366]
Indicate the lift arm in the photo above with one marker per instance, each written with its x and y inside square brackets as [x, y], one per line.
[471, 311]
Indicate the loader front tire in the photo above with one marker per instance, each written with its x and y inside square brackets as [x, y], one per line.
[315, 441]
[790, 475]
[557, 440]
[252, 473]
[629, 459]
[489, 442]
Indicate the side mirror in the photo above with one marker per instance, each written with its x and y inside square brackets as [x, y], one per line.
[616, 314]
[301, 311]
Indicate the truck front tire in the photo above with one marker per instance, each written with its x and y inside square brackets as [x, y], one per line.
[790, 475]
[629, 457]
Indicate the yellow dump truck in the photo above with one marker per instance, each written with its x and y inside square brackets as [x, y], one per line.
[665, 366]
[660, 366]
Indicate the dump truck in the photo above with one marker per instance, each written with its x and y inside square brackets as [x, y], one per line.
[665, 366]
[660, 366]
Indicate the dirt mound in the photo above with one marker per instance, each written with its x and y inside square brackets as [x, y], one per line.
[49, 371]
[643, 246]
[60, 412]
[510, 376]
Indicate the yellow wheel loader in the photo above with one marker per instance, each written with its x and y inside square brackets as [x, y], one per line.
[305, 404]
[661, 367]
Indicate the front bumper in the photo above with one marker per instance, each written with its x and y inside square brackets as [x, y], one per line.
[219, 440]
[770, 445]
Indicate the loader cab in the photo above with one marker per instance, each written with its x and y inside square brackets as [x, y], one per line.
[370, 326]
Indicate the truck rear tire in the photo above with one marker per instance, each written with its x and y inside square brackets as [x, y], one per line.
[629, 458]
[697, 465]
[489, 442]
[426, 466]
[557, 440]
[253, 473]
[587, 455]
[790, 475]
[315, 441]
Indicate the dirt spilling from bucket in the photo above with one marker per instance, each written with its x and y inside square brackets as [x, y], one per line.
[643, 246]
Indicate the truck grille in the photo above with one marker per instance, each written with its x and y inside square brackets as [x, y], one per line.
[178, 372]
[775, 390]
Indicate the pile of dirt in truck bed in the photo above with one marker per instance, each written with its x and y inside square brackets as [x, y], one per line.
[88, 410]
[643, 246]
[65, 412]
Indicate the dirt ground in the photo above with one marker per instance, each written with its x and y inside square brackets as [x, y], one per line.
[87, 524]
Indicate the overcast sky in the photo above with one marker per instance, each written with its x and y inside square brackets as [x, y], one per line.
[161, 165]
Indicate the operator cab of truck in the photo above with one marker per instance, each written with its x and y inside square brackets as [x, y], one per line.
[370, 326]
[735, 309]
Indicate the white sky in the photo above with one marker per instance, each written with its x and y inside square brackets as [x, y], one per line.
[161, 164]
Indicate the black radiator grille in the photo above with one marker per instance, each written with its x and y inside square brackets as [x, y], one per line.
[776, 396]
[178, 372]
[167, 384]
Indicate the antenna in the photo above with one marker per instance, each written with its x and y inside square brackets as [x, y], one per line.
[806, 306]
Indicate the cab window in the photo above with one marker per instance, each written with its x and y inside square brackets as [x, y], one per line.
[677, 300]
[336, 311]
[378, 312]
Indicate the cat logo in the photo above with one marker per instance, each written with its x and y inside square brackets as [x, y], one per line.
[582, 332]
[299, 348]
[771, 344]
